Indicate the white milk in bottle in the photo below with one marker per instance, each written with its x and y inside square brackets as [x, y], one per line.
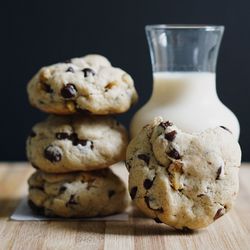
[189, 99]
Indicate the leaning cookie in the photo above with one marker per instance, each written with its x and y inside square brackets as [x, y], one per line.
[73, 143]
[183, 180]
[88, 84]
[80, 194]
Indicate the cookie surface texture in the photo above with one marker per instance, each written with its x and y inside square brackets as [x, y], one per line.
[186, 181]
[80, 194]
[63, 144]
[88, 84]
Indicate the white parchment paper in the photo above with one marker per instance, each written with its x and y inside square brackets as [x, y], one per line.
[24, 213]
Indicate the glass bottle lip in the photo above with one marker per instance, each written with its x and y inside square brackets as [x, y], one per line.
[184, 27]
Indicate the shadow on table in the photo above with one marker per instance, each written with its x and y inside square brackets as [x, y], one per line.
[121, 228]
[137, 225]
[7, 206]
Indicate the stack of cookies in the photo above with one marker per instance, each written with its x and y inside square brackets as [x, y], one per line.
[74, 147]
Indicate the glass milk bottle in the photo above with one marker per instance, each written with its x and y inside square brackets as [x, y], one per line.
[184, 92]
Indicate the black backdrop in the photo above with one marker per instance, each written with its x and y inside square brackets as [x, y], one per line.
[37, 33]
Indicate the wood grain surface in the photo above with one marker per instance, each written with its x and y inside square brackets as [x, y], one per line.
[232, 231]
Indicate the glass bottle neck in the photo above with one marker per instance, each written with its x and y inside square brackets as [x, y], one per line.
[184, 48]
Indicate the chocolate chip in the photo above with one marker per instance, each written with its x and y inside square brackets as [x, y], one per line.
[133, 192]
[71, 200]
[200, 195]
[32, 133]
[62, 136]
[62, 189]
[46, 87]
[76, 141]
[69, 91]
[157, 220]
[166, 124]
[226, 129]
[147, 199]
[128, 166]
[35, 208]
[218, 173]
[70, 69]
[111, 193]
[174, 154]
[74, 138]
[144, 157]
[148, 183]
[82, 142]
[87, 72]
[171, 135]
[218, 214]
[67, 61]
[52, 153]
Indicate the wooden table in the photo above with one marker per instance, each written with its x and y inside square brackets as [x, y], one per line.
[232, 231]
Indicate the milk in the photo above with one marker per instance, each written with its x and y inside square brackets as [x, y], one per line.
[189, 99]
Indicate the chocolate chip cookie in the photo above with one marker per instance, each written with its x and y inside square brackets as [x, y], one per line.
[87, 84]
[79, 194]
[72, 143]
[183, 180]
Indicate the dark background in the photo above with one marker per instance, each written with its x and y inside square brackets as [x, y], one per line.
[38, 33]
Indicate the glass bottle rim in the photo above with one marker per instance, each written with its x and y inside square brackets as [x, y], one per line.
[184, 27]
